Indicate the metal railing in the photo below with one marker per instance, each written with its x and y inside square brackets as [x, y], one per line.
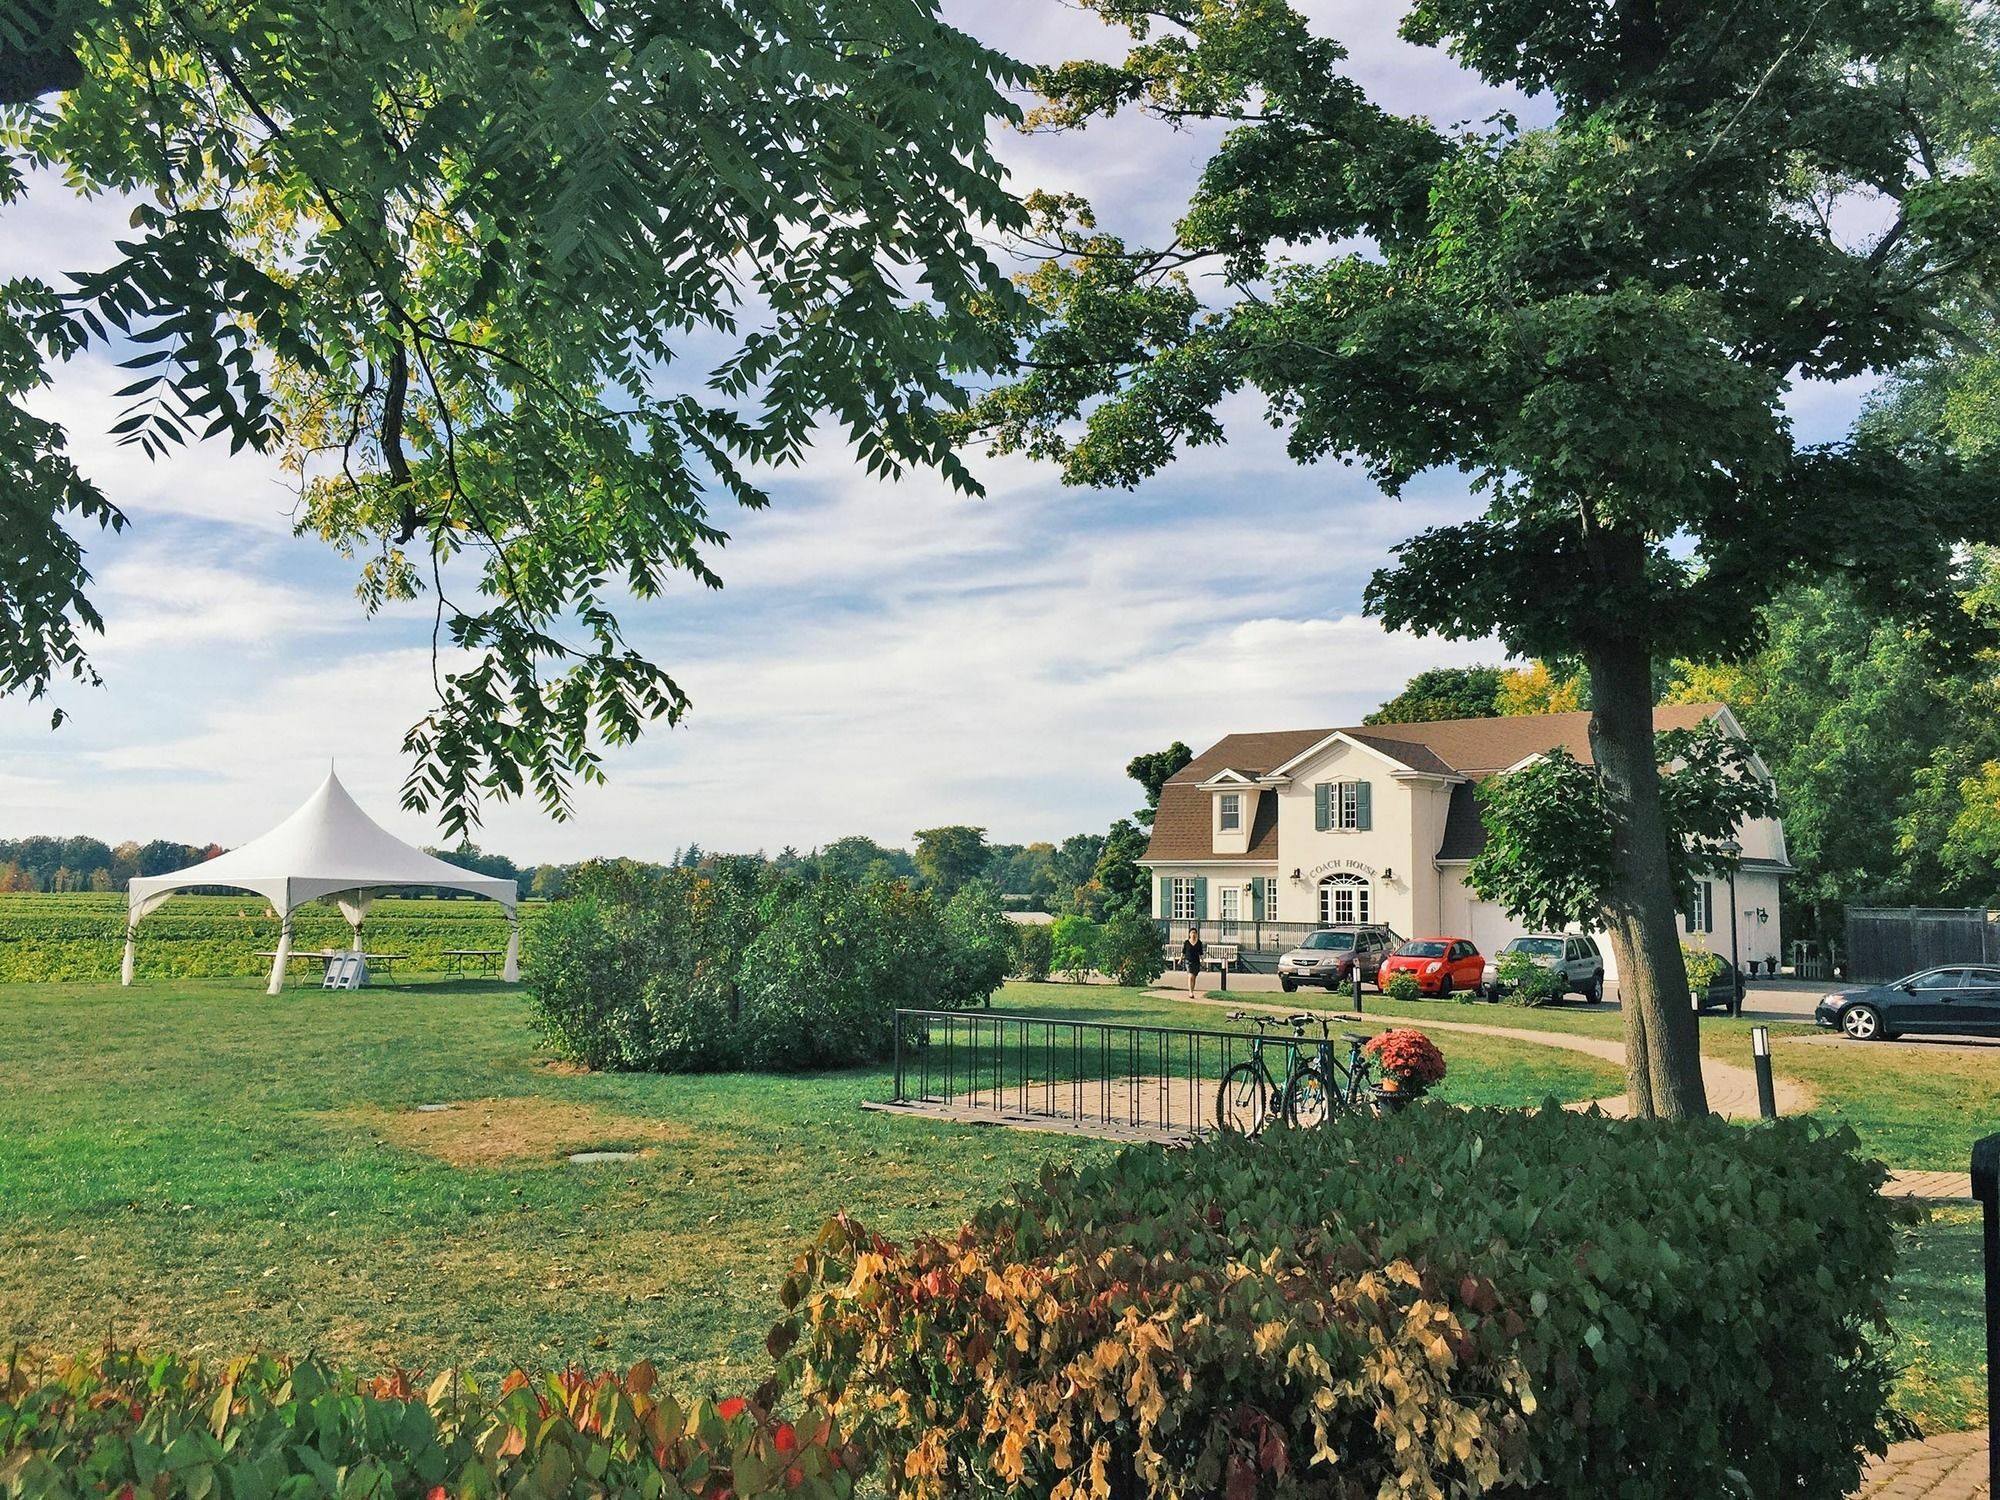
[1154, 1078]
[1249, 934]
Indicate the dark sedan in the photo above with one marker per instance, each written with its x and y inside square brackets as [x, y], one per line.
[1725, 991]
[1960, 998]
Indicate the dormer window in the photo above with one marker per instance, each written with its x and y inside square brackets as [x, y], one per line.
[1232, 812]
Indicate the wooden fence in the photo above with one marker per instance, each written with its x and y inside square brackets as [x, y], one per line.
[1885, 942]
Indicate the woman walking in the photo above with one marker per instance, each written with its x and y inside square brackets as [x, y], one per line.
[1191, 952]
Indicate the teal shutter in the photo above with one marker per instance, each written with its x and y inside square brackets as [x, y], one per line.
[1201, 898]
[1257, 900]
[1160, 906]
[1323, 806]
[1689, 918]
[1364, 810]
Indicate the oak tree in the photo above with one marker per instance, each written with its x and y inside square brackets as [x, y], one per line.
[1597, 320]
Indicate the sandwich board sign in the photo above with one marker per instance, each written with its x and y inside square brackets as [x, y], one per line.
[345, 971]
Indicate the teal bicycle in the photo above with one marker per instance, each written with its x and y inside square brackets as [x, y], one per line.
[1314, 1085]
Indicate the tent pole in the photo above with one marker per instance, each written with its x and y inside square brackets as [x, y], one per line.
[512, 973]
[283, 957]
[131, 943]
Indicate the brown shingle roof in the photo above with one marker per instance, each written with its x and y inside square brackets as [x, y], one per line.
[1473, 748]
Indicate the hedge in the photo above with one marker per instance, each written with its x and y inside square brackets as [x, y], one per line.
[119, 1424]
[1440, 1302]
[740, 966]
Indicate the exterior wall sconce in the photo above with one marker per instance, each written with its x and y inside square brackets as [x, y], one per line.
[1388, 874]
[1296, 875]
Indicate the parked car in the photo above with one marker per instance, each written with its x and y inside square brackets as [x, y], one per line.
[1725, 991]
[1569, 954]
[1440, 964]
[1328, 957]
[1962, 998]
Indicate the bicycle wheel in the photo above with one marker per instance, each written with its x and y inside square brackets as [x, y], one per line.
[1309, 1099]
[1243, 1103]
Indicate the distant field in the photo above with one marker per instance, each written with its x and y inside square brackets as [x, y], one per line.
[81, 935]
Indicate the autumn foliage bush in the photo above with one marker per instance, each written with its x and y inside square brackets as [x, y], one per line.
[1433, 1303]
[122, 1425]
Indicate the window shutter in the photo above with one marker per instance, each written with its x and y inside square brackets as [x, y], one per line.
[1322, 806]
[1689, 918]
[1201, 898]
[1163, 904]
[1707, 906]
[1256, 900]
[1364, 812]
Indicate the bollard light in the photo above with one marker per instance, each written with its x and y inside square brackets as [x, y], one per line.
[1986, 1188]
[1760, 1055]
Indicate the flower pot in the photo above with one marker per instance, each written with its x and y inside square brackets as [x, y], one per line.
[1391, 1099]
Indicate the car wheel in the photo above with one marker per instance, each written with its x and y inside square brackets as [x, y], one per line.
[1593, 993]
[1444, 988]
[1863, 1023]
[1287, 983]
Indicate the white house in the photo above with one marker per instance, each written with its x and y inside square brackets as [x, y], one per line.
[1378, 823]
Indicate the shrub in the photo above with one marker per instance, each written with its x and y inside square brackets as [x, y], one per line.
[1130, 949]
[1525, 982]
[1033, 945]
[119, 1424]
[1703, 968]
[736, 966]
[1402, 986]
[1409, 1057]
[1437, 1302]
[1073, 947]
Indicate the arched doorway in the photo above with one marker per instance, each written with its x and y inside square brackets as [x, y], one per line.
[1345, 900]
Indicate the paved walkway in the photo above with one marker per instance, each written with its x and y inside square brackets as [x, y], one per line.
[1732, 1089]
[1951, 1466]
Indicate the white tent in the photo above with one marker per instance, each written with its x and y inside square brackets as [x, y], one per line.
[329, 847]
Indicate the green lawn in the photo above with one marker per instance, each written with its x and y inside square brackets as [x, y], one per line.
[195, 1164]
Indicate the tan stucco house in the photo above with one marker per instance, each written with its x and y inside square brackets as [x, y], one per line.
[1282, 831]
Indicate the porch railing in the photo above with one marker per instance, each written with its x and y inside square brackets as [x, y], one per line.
[1154, 1078]
[1249, 934]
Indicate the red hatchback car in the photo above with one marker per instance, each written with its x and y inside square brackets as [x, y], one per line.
[1440, 964]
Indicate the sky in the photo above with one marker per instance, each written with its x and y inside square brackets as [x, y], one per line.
[883, 657]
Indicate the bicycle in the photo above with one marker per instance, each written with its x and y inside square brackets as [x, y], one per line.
[1318, 1089]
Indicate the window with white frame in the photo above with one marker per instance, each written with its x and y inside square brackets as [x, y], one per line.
[1181, 891]
[1701, 907]
[1270, 898]
[1232, 812]
[1344, 901]
[1342, 805]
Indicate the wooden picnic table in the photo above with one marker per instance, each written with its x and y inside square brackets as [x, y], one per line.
[325, 956]
[457, 959]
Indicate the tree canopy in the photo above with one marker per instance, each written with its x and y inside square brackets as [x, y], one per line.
[1597, 321]
[519, 292]
[1442, 693]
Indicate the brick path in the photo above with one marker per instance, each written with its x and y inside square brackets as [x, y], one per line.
[1951, 1466]
[1936, 1186]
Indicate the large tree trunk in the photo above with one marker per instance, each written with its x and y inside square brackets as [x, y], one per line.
[1662, 1039]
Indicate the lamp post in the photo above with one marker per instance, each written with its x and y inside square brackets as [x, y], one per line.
[1733, 850]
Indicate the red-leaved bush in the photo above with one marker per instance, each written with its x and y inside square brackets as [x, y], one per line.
[122, 1425]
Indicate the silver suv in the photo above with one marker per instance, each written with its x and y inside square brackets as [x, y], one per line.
[1329, 957]
[1573, 956]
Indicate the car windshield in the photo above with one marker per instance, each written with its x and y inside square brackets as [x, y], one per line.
[1338, 940]
[1422, 948]
[1539, 947]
